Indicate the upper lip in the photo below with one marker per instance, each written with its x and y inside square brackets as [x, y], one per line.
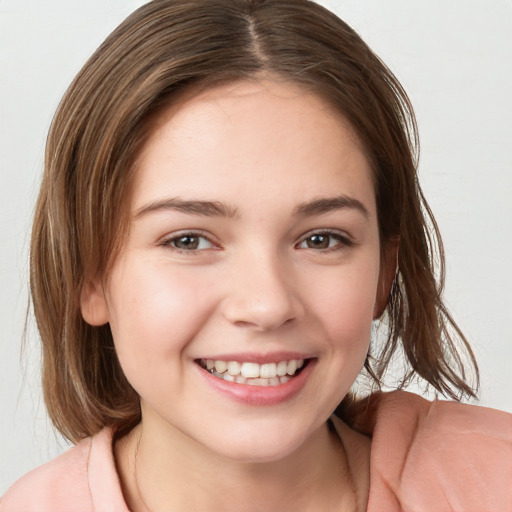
[260, 358]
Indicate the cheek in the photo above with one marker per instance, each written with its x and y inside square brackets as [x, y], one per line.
[154, 314]
[345, 302]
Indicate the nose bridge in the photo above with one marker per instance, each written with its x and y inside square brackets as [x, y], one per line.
[261, 292]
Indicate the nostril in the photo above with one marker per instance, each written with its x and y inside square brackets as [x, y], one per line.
[262, 301]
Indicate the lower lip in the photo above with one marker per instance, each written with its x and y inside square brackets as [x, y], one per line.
[260, 395]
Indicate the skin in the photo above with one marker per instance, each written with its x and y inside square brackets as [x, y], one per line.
[257, 284]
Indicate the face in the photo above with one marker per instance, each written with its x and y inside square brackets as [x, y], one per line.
[242, 302]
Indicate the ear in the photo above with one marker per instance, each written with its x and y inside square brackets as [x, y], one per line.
[93, 304]
[388, 269]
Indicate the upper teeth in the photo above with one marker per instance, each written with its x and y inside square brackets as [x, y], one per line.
[255, 370]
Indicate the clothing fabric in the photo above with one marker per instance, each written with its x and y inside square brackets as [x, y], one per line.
[435, 456]
[425, 457]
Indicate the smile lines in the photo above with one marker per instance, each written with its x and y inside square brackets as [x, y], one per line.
[268, 374]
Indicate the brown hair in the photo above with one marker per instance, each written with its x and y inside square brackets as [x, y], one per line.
[159, 51]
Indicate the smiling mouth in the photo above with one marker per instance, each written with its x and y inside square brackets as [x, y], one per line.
[254, 374]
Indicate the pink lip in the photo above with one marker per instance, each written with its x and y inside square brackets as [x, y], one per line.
[259, 395]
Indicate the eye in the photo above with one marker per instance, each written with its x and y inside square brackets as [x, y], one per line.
[324, 240]
[189, 242]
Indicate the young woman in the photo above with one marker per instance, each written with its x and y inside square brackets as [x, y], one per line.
[229, 203]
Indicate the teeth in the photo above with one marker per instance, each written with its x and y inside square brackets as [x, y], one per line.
[267, 371]
[220, 366]
[258, 382]
[274, 381]
[254, 374]
[233, 368]
[291, 367]
[281, 368]
[250, 370]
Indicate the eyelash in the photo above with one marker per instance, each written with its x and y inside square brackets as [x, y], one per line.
[343, 241]
[169, 242]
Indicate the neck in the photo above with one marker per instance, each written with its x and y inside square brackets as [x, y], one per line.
[174, 473]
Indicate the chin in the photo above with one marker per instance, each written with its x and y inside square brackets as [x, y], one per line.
[259, 445]
[249, 454]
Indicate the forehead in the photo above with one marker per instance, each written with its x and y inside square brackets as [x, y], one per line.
[259, 136]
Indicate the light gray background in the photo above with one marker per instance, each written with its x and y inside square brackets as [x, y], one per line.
[454, 57]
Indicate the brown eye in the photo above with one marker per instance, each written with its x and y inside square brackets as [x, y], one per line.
[189, 242]
[324, 241]
[318, 241]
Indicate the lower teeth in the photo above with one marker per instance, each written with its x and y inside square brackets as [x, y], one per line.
[273, 381]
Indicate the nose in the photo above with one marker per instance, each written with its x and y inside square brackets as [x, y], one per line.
[261, 294]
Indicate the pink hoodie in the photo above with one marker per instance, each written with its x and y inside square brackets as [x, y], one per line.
[425, 457]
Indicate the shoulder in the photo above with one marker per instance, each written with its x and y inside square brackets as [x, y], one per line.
[69, 482]
[53, 485]
[439, 455]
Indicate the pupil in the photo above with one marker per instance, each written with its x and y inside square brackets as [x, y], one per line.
[318, 241]
[187, 242]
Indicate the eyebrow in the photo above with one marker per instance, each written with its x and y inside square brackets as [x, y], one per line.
[218, 209]
[329, 204]
[202, 208]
